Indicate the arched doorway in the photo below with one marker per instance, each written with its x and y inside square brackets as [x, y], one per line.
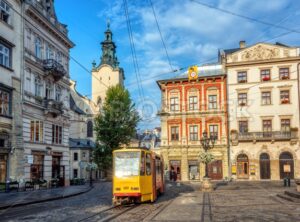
[286, 164]
[242, 166]
[264, 162]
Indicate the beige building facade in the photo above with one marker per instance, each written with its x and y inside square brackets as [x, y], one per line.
[46, 94]
[190, 108]
[263, 107]
[11, 42]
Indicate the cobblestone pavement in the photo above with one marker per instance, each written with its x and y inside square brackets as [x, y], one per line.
[237, 201]
[69, 209]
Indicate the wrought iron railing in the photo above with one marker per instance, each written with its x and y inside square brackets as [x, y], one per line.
[273, 135]
[54, 68]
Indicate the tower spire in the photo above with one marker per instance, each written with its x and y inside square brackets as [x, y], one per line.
[109, 48]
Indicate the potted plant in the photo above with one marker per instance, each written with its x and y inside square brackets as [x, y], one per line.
[285, 101]
[266, 78]
[284, 77]
[242, 104]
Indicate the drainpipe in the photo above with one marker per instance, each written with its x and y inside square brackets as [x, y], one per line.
[298, 79]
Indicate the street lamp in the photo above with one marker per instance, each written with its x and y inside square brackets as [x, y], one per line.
[207, 144]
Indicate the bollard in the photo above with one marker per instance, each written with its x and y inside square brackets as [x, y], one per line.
[288, 182]
[284, 182]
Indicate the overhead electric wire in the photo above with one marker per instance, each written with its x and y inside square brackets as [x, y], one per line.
[161, 37]
[133, 51]
[243, 16]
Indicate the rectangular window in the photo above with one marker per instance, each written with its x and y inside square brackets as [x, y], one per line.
[242, 99]
[242, 77]
[174, 133]
[284, 73]
[212, 102]
[213, 131]
[5, 12]
[142, 168]
[75, 157]
[285, 96]
[75, 173]
[36, 131]
[37, 168]
[193, 103]
[194, 133]
[56, 134]
[174, 102]
[38, 86]
[148, 164]
[285, 125]
[243, 126]
[265, 75]
[266, 98]
[4, 103]
[5, 56]
[267, 128]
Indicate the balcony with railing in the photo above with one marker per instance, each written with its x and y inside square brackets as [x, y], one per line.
[291, 135]
[54, 68]
[53, 107]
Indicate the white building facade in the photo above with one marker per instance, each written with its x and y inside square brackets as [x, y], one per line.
[263, 107]
[46, 94]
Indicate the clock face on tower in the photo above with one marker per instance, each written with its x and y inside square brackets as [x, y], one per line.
[193, 74]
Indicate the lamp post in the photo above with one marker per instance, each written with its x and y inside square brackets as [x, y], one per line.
[91, 168]
[207, 144]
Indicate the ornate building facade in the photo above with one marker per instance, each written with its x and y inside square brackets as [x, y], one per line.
[11, 143]
[188, 109]
[263, 94]
[46, 94]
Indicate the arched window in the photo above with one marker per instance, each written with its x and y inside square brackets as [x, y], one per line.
[90, 129]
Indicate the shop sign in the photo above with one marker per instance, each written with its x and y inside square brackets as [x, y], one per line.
[252, 169]
[233, 169]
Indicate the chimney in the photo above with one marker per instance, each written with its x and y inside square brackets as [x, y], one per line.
[242, 44]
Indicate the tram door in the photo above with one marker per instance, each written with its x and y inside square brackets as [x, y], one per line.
[175, 170]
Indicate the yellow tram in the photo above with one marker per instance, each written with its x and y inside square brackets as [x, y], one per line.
[137, 176]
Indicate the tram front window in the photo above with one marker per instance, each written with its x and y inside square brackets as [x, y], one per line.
[127, 164]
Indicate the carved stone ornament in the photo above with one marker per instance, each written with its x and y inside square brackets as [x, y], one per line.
[260, 52]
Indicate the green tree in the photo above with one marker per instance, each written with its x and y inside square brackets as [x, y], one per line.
[115, 124]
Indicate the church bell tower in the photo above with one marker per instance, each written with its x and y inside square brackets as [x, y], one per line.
[107, 73]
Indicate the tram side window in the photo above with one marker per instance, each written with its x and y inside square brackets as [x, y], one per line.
[142, 170]
[158, 166]
[148, 164]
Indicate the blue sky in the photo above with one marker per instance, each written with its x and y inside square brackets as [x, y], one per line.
[192, 34]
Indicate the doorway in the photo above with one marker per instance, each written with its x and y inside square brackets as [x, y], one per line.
[242, 166]
[175, 170]
[58, 170]
[193, 170]
[264, 162]
[3, 166]
[286, 165]
[215, 170]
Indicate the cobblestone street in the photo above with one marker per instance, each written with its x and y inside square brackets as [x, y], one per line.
[237, 201]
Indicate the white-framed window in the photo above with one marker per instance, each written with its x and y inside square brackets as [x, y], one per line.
[212, 102]
[49, 90]
[59, 57]
[58, 93]
[38, 86]
[38, 47]
[48, 52]
[174, 104]
[36, 131]
[56, 134]
[4, 103]
[193, 132]
[27, 85]
[193, 102]
[214, 131]
[5, 55]
[5, 12]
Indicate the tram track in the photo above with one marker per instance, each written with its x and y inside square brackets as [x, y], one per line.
[109, 214]
[206, 214]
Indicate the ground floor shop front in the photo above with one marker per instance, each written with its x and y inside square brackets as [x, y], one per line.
[262, 161]
[182, 163]
[49, 164]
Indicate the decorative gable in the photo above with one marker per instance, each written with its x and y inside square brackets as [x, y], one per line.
[261, 51]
